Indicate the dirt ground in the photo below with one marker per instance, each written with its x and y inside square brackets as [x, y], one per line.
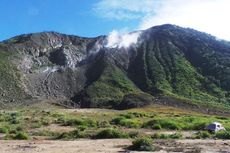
[112, 146]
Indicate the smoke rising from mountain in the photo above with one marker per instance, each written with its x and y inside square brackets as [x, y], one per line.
[121, 40]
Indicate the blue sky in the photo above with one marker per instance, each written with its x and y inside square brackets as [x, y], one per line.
[91, 18]
[67, 16]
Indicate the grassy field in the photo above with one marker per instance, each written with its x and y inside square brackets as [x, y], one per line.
[153, 122]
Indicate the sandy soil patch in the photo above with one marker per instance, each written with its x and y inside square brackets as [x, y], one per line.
[54, 128]
[82, 146]
[112, 146]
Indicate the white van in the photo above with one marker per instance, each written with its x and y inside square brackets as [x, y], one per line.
[214, 127]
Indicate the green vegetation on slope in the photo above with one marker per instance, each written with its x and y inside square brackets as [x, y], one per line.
[166, 70]
[110, 88]
[10, 88]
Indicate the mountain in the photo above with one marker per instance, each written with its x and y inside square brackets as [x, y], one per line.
[166, 64]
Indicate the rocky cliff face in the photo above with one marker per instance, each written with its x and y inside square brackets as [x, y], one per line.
[163, 60]
[50, 64]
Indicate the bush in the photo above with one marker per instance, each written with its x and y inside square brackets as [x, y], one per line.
[3, 130]
[130, 123]
[46, 121]
[36, 124]
[82, 127]
[198, 126]
[14, 121]
[163, 123]
[110, 133]
[167, 136]
[117, 120]
[21, 136]
[171, 125]
[156, 127]
[72, 122]
[222, 135]
[203, 135]
[19, 128]
[78, 122]
[13, 131]
[175, 136]
[138, 114]
[60, 119]
[17, 136]
[104, 124]
[75, 134]
[128, 115]
[134, 134]
[142, 144]
[12, 118]
[159, 136]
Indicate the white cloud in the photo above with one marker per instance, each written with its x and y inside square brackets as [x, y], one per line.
[211, 16]
[121, 40]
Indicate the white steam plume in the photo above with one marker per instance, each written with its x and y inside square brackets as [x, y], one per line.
[119, 40]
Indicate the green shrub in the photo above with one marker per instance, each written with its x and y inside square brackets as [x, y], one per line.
[46, 121]
[21, 136]
[14, 114]
[117, 120]
[90, 123]
[171, 125]
[12, 131]
[14, 121]
[142, 144]
[78, 122]
[130, 123]
[222, 117]
[138, 114]
[75, 134]
[17, 136]
[110, 133]
[82, 127]
[35, 125]
[134, 134]
[167, 136]
[163, 123]
[199, 125]
[128, 115]
[72, 122]
[175, 136]
[4, 129]
[104, 124]
[56, 115]
[19, 128]
[46, 133]
[222, 135]
[60, 119]
[203, 135]
[227, 128]
[12, 118]
[188, 119]
[156, 127]
[159, 136]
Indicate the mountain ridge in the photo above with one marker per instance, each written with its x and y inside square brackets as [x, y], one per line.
[165, 60]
